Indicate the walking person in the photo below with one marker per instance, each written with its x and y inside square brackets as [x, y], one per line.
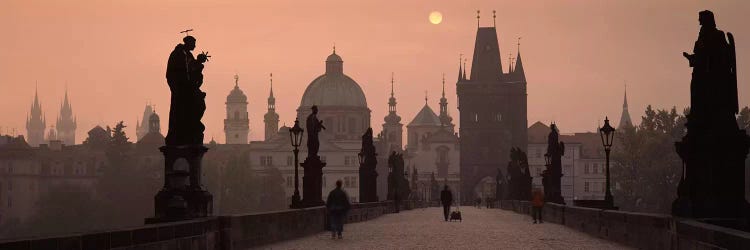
[338, 206]
[537, 202]
[446, 197]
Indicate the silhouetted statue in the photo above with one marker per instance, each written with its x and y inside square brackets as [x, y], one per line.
[551, 178]
[368, 191]
[187, 101]
[499, 183]
[714, 149]
[314, 126]
[519, 178]
[713, 89]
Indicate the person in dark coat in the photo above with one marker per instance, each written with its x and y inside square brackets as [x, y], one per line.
[338, 206]
[446, 197]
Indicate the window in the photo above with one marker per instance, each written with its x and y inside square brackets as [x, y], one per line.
[354, 182]
[289, 161]
[586, 168]
[10, 185]
[586, 187]
[266, 160]
[236, 115]
[346, 182]
[352, 125]
[10, 202]
[498, 117]
[476, 117]
[596, 168]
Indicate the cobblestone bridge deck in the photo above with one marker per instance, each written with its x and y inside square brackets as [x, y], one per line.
[425, 229]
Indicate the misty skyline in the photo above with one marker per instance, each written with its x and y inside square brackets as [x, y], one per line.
[577, 55]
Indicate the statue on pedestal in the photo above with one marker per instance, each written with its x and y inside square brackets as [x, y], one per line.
[312, 181]
[714, 149]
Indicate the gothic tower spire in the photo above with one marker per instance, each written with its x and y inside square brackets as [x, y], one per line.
[36, 124]
[460, 74]
[66, 123]
[625, 117]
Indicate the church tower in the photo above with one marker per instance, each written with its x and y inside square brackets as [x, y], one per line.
[271, 118]
[493, 110]
[66, 123]
[236, 124]
[625, 117]
[154, 123]
[392, 128]
[36, 123]
[142, 126]
[445, 119]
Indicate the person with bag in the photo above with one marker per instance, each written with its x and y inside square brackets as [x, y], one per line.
[338, 206]
[446, 197]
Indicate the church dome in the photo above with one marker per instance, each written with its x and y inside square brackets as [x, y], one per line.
[334, 88]
[236, 95]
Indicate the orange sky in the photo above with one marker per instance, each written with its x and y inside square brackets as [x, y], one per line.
[577, 54]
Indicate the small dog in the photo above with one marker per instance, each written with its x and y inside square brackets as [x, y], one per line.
[456, 215]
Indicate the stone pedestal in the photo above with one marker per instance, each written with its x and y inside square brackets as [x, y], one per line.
[312, 182]
[368, 189]
[713, 182]
[182, 197]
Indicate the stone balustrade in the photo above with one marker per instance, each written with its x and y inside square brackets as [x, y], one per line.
[639, 230]
[239, 231]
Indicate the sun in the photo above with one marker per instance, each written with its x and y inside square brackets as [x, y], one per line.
[436, 17]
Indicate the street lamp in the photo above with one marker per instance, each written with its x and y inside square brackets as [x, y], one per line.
[607, 133]
[295, 134]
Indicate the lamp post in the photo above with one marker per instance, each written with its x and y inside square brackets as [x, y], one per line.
[295, 134]
[607, 133]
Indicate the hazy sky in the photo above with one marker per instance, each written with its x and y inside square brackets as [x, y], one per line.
[112, 55]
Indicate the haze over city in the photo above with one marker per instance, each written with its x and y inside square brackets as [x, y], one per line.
[578, 55]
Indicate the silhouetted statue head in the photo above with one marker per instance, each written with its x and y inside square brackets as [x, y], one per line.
[315, 109]
[338, 184]
[706, 18]
[189, 42]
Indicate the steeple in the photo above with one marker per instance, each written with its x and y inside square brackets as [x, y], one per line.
[518, 71]
[236, 123]
[271, 118]
[465, 69]
[625, 117]
[66, 123]
[460, 74]
[445, 119]
[392, 128]
[36, 123]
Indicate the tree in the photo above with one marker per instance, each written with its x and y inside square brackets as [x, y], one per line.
[645, 166]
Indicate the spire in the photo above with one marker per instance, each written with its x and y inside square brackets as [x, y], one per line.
[625, 117]
[465, 78]
[271, 99]
[392, 100]
[443, 86]
[445, 119]
[518, 71]
[392, 84]
[460, 74]
[236, 81]
[510, 63]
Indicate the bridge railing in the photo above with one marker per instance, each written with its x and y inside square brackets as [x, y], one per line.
[239, 231]
[640, 230]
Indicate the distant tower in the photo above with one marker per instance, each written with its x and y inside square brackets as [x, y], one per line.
[236, 124]
[392, 128]
[154, 125]
[36, 124]
[493, 108]
[142, 126]
[625, 118]
[66, 123]
[445, 119]
[271, 118]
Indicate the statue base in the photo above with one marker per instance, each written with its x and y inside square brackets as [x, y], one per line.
[312, 182]
[182, 197]
[713, 184]
[368, 184]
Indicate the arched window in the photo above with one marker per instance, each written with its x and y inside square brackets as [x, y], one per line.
[236, 115]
